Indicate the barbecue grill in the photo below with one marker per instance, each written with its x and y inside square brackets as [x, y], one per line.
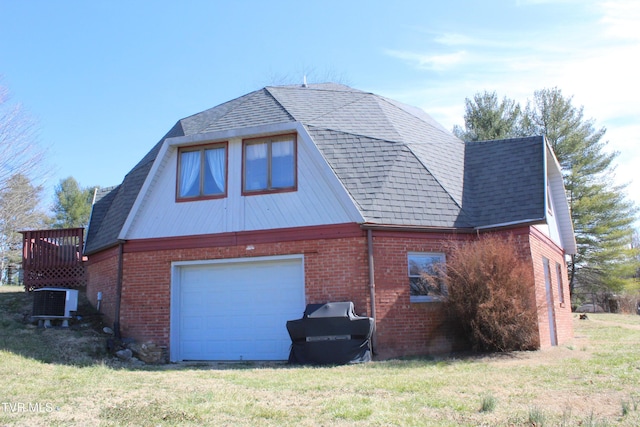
[330, 333]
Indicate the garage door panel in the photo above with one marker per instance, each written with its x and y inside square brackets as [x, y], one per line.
[239, 310]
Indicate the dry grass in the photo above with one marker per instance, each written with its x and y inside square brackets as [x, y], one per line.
[594, 381]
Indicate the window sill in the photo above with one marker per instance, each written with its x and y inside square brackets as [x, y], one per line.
[425, 298]
[269, 191]
[199, 198]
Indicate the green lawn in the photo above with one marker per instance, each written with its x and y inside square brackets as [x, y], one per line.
[62, 377]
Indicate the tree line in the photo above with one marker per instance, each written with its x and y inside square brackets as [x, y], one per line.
[22, 165]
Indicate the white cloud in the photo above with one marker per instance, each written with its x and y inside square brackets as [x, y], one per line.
[428, 61]
[621, 19]
[595, 62]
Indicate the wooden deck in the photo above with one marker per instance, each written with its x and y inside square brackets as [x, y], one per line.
[53, 258]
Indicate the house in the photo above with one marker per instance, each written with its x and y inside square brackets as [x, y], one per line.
[244, 213]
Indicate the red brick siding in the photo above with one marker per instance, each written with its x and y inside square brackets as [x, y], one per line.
[336, 269]
[542, 246]
[405, 328]
[102, 276]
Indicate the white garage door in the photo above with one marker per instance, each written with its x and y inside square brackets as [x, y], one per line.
[236, 310]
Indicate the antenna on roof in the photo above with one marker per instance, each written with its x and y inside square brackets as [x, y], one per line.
[304, 81]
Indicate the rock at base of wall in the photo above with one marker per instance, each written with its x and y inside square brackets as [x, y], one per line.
[149, 352]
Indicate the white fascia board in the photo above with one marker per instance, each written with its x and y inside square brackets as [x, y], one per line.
[551, 158]
[511, 223]
[553, 173]
[143, 190]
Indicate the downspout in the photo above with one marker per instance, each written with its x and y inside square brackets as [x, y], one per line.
[372, 287]
[116, 320]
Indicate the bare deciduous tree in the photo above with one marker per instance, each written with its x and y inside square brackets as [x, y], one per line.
[20, 152]
[21, 162]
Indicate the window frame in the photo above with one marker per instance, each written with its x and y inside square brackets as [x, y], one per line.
[426, 298]
[202, 148]
[559, 275]
[269, 140]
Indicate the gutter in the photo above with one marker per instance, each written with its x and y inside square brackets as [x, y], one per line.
[512, 224]
[372, 287]
[415, 228]
[455, 230]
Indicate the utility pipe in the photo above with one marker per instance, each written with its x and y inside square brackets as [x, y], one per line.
[116, 321]
[372, 287]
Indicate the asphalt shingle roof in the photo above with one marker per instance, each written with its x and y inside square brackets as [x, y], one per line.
[504, 180]
[387, 180]
[398, 164]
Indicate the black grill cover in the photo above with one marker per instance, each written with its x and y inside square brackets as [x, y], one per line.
[330, 333]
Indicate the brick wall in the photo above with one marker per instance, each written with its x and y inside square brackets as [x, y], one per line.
[336, 269]
[543, 247]
[405, 328]
[102, 276]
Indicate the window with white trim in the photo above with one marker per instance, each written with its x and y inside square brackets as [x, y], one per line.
[425, 271]
[202, 172]
[269, 164]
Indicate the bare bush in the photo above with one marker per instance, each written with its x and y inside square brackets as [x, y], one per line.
[629, 303]
[490, 291]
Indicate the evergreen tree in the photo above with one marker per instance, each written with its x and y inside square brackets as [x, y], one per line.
[602, 216]
[485, 118]
[72, 206]
[19, 210]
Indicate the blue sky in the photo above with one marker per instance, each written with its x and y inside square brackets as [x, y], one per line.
[105, 80]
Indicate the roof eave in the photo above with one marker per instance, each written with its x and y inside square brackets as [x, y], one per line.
[415, 228]
[512, 224]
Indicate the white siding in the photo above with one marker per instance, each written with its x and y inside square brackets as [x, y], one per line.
[552, 227]
[319, 199]
[559, 226]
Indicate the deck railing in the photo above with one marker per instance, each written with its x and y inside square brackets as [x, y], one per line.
[53, 258]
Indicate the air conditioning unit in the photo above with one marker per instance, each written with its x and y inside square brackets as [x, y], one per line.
[54, 303]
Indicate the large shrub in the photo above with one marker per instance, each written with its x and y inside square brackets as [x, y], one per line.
[490, 291]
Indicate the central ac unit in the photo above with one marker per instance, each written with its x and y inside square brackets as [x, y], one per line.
[54, 303]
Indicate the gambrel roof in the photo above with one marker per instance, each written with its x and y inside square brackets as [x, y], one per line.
[398, 165]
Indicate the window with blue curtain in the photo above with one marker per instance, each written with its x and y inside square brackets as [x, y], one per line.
[270, 164]
[202, 172]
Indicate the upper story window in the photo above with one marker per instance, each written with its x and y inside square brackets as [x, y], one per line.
[202, 172]
[269, 164]
[425, 276]
[549, 201]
